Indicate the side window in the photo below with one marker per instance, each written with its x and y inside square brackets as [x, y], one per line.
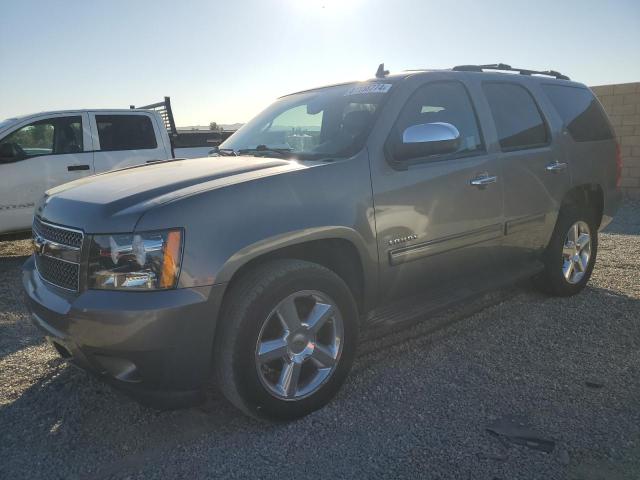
[125, 132]
[581, 113]
[53, 136]
[517, 117]
[446, 102]
[28, 141]
[68, 135]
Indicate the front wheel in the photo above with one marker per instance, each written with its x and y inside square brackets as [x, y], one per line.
[287, 340]
[571, 254]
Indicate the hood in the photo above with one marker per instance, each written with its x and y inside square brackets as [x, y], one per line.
[113, 202]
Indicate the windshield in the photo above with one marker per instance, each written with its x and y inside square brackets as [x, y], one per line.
[6, 123]
[332, 122]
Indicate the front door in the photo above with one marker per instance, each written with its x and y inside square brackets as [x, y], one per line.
[439, 219]
[36, 157]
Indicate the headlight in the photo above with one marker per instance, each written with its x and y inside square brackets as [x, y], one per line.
[139, 261]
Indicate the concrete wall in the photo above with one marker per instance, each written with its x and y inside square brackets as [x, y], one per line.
[622, 103]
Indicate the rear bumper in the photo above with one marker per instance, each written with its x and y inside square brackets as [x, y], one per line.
[154, 345]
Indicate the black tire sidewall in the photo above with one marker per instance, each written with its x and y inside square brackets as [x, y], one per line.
[255, 396]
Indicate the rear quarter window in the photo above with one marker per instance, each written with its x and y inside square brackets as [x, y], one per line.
[125, 132]
[581, 113]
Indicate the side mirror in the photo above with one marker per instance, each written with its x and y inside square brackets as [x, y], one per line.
[427, 139]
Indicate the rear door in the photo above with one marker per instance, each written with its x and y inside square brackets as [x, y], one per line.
[535, 171]
[123, 139]
[587, 137]
[437, 232]
[36, 156]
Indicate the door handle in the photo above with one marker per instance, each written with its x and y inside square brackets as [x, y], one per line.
[483, 180]
[73, 168]
[556, 166]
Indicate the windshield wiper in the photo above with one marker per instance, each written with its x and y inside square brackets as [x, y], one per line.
[263, 150]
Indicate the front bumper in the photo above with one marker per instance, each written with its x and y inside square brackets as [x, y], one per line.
[154, 345]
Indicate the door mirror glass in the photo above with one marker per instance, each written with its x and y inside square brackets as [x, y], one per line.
[427, 139]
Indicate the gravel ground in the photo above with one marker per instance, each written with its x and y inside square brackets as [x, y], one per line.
[417, 404]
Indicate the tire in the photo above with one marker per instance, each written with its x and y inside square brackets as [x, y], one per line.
[253, 311]
[553, 280]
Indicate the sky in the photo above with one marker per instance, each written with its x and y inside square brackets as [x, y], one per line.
[226, 61]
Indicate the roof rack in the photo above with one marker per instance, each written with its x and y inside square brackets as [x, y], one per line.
[508, 68]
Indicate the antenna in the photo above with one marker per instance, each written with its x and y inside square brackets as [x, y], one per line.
[381, 72]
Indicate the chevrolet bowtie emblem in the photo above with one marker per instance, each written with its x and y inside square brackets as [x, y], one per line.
[39, 244]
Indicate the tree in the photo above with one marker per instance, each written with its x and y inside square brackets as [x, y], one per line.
[214, 126]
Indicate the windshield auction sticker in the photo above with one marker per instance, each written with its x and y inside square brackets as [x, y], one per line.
[368, 88]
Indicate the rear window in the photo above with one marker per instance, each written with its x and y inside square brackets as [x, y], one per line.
[517, 117]
[581, 113]
[125, 132]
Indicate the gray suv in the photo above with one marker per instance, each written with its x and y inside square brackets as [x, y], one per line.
[335, 210]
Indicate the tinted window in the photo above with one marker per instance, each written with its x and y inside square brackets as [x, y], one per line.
[125, 132]
[581, 113]
[517, 118]
[446, 102]
[45, 137]
[68, 135]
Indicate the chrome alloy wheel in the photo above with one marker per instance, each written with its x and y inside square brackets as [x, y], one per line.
[299, 345]
[576, 252]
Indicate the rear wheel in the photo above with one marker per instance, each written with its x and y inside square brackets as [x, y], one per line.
[571, 254]
[288, 339]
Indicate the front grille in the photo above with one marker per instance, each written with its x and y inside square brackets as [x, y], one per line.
[57, 254]
[58, 272]
[58, 235]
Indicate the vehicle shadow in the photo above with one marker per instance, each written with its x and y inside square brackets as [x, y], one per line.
[68, 417]
[15, 336]
[66, 408]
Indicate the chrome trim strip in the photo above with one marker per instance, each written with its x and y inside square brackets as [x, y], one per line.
[445, 244]
[34, 227]
[58, 245]
[60, 259]
[48, 248]
[53, 225]
[522, 223]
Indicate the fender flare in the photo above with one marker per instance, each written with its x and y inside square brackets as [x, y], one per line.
[271, 244]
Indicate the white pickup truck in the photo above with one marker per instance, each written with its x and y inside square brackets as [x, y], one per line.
[41, 151]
